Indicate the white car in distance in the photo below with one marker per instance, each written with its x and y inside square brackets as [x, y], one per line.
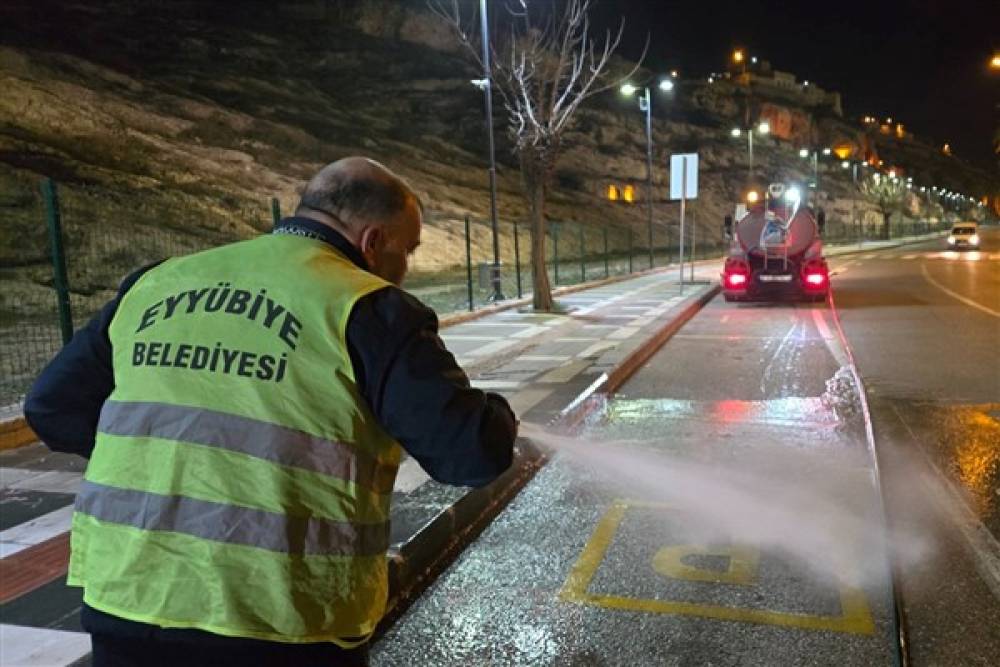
[963, 236]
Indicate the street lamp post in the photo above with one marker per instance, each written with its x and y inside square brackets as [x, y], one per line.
[762, 128]
[487, 89]
[646, 105]
[853, 166]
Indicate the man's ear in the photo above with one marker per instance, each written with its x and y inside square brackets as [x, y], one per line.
[372, 238]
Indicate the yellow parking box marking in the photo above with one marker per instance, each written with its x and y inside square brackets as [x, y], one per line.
[855, 615]
[742, 568]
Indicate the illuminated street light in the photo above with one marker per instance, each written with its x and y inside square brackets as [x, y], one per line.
[845, 164]
[646, 105]
[674, 73]
[738, 56]
[764, 127]
[995, 62]
[803, 152]
[735, 132]
[826, 151]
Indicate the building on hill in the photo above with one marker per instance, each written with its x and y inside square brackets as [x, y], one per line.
[767, 82]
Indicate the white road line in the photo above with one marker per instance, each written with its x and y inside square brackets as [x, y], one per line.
[28, 534]
[492, 348]
[448, 337]
[410, 476]
[575, 340]
[910, 256]
[48, 481]
[596, 348]
[956, 295]
[479, 323]
[496, 384]
[530, 332]
[544, 357]
[829, 338]
[623, 333]
[40, 647]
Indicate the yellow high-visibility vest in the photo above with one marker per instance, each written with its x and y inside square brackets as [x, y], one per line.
[240, 483]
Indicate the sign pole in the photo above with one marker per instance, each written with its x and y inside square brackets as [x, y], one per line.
[694, 232]
[684, 172]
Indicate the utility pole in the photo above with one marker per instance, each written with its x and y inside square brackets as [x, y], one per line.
[487, 88]
[645, 104]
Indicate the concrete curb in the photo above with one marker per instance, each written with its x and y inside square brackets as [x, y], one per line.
[416, 563]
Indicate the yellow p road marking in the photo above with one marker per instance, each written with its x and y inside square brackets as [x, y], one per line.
[741, 570]
[855, 615]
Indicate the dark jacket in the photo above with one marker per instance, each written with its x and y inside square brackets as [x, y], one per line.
[465, 439]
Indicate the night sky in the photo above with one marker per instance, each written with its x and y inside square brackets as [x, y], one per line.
[923, 63]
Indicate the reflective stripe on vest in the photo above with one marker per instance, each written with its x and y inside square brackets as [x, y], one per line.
[252, 437]
[232, 524]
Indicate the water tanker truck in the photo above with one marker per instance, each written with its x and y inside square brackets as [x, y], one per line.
[776, 252]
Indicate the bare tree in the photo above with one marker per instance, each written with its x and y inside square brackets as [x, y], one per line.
[543, 70]
[886, 192]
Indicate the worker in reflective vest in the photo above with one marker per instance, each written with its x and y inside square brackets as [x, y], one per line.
[252, 403]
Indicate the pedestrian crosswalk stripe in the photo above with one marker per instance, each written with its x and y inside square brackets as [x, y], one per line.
[20, 645]
[20, 537]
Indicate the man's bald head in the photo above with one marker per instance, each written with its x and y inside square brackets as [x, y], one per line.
[356, 192]
[372, 208]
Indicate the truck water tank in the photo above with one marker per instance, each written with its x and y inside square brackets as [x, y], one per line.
[798, 236]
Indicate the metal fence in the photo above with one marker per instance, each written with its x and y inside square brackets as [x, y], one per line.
[70, 249]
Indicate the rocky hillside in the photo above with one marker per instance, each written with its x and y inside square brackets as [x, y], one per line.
[181, 120]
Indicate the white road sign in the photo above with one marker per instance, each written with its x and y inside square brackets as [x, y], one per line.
[681, 186]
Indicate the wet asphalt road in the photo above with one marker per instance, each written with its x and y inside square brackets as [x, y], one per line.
[925, 326]
[723, 512]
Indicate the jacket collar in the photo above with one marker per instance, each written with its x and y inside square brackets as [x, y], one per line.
[299, 226]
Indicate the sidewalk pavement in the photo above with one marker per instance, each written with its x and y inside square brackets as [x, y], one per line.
[542, 363]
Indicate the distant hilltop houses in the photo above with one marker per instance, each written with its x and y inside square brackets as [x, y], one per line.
[757, 73]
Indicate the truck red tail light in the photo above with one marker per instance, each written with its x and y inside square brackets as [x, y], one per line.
[816, 279]
[736, 280]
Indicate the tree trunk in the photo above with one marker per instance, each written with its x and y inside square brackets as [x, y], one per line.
[533, 174]
[886, 215]
[542, 291]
